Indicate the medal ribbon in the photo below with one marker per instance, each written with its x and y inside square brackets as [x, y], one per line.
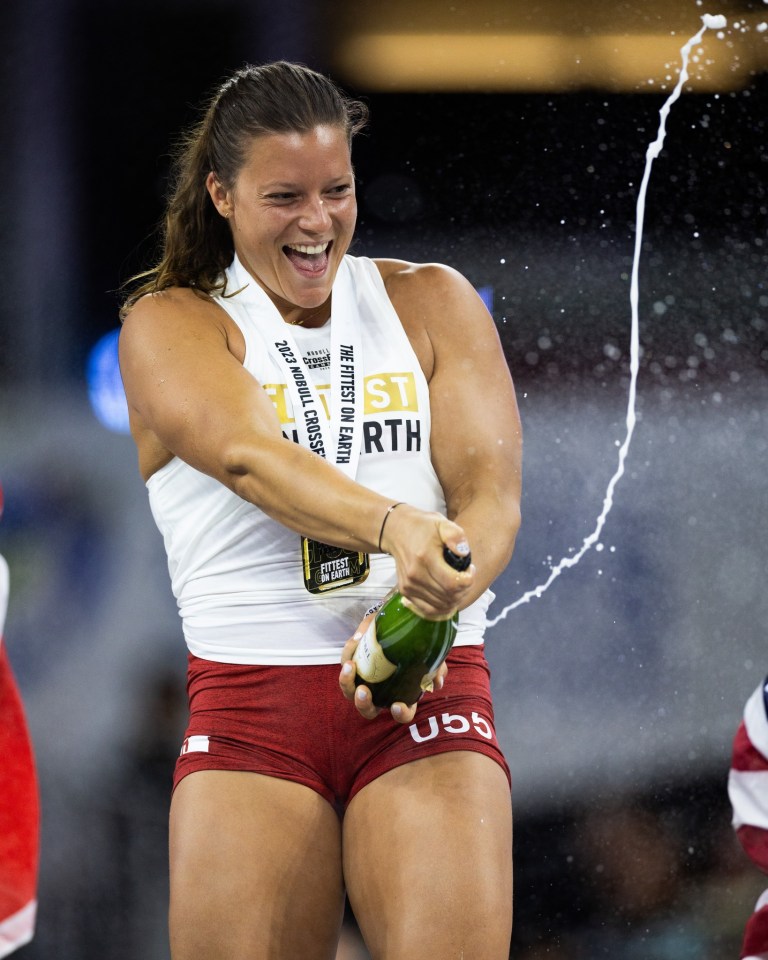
[339, 439]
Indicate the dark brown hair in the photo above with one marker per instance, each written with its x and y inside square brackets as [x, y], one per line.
[281, 97]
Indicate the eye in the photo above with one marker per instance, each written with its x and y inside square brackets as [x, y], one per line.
[280, 197]
[340, 190]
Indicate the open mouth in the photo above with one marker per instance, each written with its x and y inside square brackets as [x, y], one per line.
[309, 259]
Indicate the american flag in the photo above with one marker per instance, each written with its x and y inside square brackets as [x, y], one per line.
[748, 791]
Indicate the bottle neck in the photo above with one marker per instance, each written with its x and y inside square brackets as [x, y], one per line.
[397, 598]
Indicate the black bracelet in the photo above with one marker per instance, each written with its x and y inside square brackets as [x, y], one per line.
[390, 508]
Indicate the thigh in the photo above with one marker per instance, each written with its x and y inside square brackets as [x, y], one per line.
[255, 869]
[428, 859]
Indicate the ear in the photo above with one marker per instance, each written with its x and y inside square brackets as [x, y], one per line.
[222, 198]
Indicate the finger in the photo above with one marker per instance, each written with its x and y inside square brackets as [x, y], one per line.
[430, 611]
[349, 648]
[443, 590]
[453, 582]
[421, 609]
[347, 679]
[351, 645]
[402, 713]
[452, 536]
[438, 680]
[364, 703]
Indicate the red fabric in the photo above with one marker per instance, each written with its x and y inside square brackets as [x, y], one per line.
[19, 816]
[245, 717]
[746, 761]
[746, 757]
[756, 935]
[754, 840]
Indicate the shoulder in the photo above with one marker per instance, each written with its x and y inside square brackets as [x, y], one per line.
[438, 307]
[433, 296]
[173, 301]
[176, 311]
[403, 279]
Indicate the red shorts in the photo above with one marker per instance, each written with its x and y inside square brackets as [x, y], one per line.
[245, 717]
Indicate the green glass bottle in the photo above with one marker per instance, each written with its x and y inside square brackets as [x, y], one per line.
[401, 652]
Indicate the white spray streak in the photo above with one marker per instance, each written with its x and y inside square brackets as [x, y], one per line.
[654, 149]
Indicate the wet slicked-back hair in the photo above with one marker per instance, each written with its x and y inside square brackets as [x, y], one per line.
[281, 97]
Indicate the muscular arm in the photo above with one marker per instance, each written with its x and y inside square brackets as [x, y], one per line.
[189, 396]
[476, 438]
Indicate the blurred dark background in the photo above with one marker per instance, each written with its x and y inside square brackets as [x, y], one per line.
[508, 140]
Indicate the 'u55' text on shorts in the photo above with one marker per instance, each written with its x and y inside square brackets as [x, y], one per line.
[245, 717]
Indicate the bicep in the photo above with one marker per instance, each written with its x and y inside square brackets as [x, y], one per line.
[185, 385]
[476, 432]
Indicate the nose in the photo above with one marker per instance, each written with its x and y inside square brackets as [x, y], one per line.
[314, 216]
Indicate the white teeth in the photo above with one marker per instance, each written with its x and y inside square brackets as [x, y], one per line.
[309, 248]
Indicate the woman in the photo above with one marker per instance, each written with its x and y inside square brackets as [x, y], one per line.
[255, 330]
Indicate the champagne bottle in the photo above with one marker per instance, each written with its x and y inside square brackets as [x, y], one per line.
[400, 653]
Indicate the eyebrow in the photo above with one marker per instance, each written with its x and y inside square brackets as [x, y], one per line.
[290, 185]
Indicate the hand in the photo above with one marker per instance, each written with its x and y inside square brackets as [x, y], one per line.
[361, 695]
[416, 540]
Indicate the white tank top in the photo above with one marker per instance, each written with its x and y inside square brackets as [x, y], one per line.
[237, 575]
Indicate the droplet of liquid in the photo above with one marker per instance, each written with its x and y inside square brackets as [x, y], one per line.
[716, 22]
[709, 22]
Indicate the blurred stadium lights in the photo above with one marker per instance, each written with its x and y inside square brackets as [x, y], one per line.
[105, 385]
[430, 47]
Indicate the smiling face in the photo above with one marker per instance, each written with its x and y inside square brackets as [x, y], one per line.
[292, 211]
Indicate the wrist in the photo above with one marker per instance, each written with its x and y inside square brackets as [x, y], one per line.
[390, 508]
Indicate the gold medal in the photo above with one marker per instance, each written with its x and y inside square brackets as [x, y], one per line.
[330, 568]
